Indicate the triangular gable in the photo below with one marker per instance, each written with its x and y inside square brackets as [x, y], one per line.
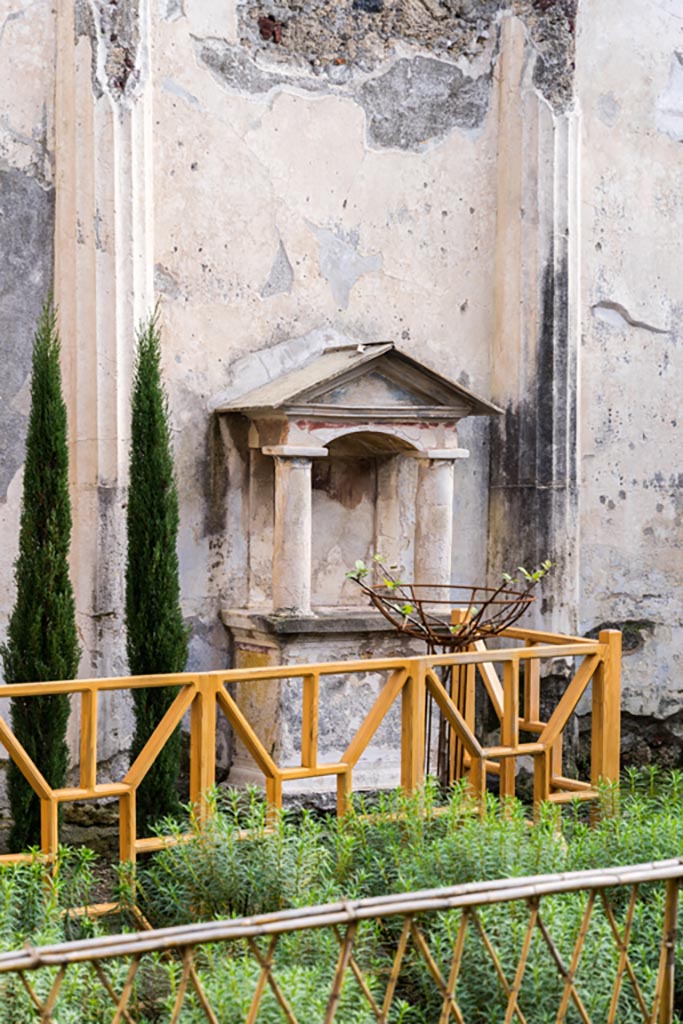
[374, 377]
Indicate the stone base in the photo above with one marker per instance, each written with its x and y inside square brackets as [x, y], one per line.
[274, 708]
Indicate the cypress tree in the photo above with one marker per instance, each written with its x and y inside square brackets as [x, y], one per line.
[42, 641]
[157, 640]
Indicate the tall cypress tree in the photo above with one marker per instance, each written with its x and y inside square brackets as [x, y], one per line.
[157, 640]
[42, 641]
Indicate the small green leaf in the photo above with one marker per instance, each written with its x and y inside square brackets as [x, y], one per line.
[407, 608]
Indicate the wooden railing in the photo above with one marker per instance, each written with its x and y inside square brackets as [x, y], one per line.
[408, 679]
[126, 973]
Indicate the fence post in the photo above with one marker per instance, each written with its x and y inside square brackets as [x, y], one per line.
[127, 826]
[203, 742]
[88, 766]
[49, 825]
[509, 729]
[667, 970]
[413, 726]
[606, 710]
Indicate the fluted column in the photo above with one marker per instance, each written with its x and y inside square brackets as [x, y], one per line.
[533, 502]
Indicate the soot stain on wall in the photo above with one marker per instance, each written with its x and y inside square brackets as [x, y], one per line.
[532, 465]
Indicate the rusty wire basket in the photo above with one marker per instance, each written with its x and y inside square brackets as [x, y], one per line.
[424, 610]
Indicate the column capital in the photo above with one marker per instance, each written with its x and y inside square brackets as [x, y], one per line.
[439, 454]
[293, 451]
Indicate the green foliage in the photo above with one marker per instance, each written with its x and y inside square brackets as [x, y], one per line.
[34, 896]
[156, 639]
[396, 843]
[34, 902]
[42, 642]
[403, 843]
[531, 576]
[219, 874]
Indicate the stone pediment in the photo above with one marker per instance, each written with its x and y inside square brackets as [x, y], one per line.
[376, 381]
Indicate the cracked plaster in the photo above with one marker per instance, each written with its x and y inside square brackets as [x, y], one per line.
[117, 58]
[614, 313]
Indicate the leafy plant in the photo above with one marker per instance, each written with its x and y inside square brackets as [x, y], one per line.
[399, 842]
[42, 642]
[530, 575]
[396, 842]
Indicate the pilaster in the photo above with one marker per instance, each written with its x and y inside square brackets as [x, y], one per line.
[533, 495]
[103, 288]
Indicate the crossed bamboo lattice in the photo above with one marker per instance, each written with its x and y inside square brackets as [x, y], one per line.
[258, 938]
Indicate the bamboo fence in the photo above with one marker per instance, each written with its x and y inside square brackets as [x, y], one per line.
[257, 938]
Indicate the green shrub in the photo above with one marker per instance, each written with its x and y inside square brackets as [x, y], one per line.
[402, 842]
[218, 874]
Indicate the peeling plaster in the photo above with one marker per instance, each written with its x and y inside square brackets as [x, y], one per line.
[669, 103]
[617, 315]
[339, 42]
[113, 28]
[171, 10]
[165, 282]
[340, 262]
[233, 68]
[28, 153]
[416, 101]
[608, 108]
[422, 99]
[281, 275]
[173, 88]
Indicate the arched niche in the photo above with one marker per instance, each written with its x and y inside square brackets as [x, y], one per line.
[362, 492]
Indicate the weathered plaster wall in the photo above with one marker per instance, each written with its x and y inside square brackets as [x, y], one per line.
[321, 171]
[330, 172]
[300, 190]
[26, 238]
[631, 492]
[26, 243]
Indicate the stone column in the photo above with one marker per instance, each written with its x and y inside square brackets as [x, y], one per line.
[387, 510]
[293, 527]
[434, 515]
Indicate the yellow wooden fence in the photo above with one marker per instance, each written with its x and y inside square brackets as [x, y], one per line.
[515, 698]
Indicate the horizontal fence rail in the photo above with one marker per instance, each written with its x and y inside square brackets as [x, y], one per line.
[514, 695]
[383, 949]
